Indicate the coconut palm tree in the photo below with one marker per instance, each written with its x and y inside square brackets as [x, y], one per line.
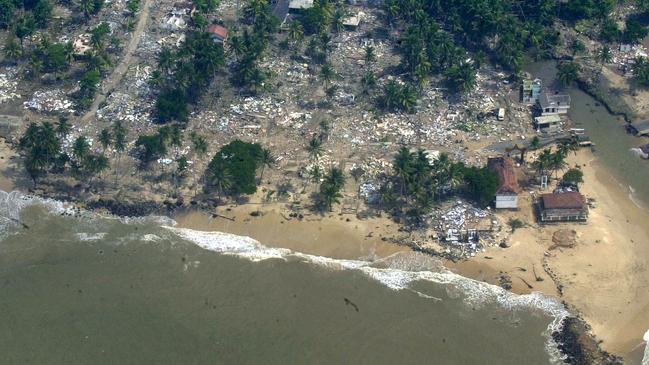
[63, 127]
[567, 73]
[166, 60]
[604, 55]
[12, 49]
[402, 166]
[557, 162]
[80, 148]
[199, 147]
[119, 143]
[370, 55]
[266, 160]
[327, 74]
[87, 7]
[296, 32]
[221, 181]
[338, 19]
[314, 148]
[105, 138]
[331, 186]
[543, 161]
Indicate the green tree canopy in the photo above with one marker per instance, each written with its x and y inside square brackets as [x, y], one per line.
[239, 160]
[573, 176]
[481, 184]
[41, 148]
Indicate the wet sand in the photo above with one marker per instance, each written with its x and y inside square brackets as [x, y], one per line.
[604, 276]
[331, 235]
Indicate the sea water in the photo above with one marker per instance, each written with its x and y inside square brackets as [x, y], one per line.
[80, 288]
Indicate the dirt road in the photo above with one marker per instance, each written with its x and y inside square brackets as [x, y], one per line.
[115, 77]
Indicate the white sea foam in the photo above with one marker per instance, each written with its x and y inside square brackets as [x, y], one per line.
[475, 292]
[645, 358]
[12, 203]
[83, 236]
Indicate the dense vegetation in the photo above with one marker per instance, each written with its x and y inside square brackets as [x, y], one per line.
[419, 181]
[233, 169]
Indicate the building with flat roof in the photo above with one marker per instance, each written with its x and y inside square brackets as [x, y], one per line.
[547, 123]
[554, 103]
[296, 6]
[530, 91]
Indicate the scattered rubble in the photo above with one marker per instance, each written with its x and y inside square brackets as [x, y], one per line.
[50, 101]
[8, 84]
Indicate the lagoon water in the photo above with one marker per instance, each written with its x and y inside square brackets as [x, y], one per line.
[98, 290]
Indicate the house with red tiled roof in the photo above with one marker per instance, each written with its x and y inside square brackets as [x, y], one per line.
[219, 33]
[508, 189]
[569, 206]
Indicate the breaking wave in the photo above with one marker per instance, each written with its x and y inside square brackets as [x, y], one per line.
[395, 272]
[645, 358]
[391, 273]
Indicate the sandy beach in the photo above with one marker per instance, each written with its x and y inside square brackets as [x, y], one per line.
[603, 277]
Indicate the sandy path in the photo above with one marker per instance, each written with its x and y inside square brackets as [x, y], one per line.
[115, 77]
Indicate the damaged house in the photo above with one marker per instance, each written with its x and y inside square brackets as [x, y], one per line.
[530, 91]
[552, 104]
[567, 206]
[508, 189]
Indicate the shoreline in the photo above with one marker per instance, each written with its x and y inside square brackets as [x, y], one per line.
[347, 237]
[524, 261]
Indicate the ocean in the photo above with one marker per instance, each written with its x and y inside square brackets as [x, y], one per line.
[81, 288]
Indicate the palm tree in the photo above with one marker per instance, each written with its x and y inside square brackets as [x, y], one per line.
[87, 7]
[119, 142]
[338, 19]
[105, 138]
[325, 42]
[543, 161]
[199, 146]
[314, 147]
[80, 148]
[407, 98]
[175, 137]
[604, 55]
[567, 73]
[12, 49]
[166, 60]
[296, 32]
[568, 146]
[557, 162]
[63, 127]
[327, 73]
[368, 81]
[461, 77]
[335, 177]
[266, 160]
[221, 180]
[330, 187]
[315, 174]
[422, 69]
[69, 51]
[370, 56]
[403, 167]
